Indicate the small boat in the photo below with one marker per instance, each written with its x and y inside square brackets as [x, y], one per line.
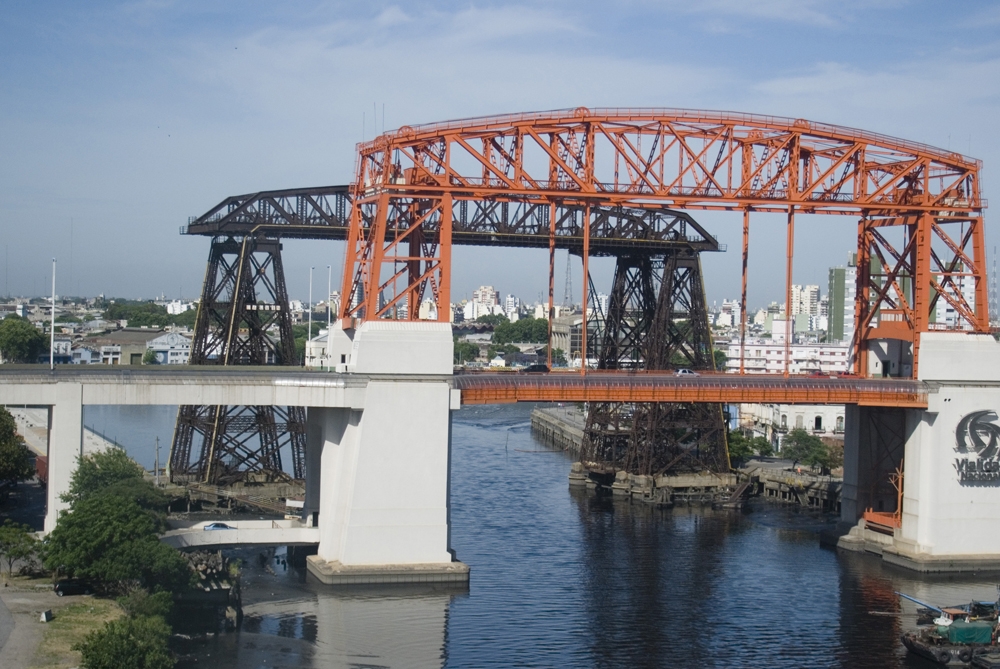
[961, 636]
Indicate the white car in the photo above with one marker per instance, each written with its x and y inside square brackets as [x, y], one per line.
[686, 372]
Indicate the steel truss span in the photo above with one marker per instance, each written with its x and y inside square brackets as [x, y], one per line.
[243, 319]
[657, 319]
[919, 207]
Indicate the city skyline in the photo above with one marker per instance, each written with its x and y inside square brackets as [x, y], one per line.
[114, 134]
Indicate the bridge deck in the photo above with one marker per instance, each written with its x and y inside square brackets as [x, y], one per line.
[665, 387]
[21, 385]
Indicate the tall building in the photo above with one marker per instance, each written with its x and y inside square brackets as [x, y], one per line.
[511, 307]
[805, 300]
[840, 302]
[487, 296]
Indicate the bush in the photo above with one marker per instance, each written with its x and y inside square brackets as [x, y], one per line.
[130, 642]
[140, 603]
[800, 446]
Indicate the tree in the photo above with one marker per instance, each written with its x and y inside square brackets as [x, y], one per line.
[762, 447]
[20, 341]
[16, 543]
[98, 471]
[492, 319]
[141, 603]
[525, 330]
[149, 357]
[112, 540]
[558, 357]
[465, 352]
[720, 360]
[800, 446]
[133, 642]
[740, 448]
[15, 458]
[505, 350]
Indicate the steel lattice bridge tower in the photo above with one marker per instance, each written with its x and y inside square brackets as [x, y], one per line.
[622, 182]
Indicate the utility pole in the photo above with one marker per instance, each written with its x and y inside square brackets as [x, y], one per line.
[305, 352]
[329, 311]
[52, 321]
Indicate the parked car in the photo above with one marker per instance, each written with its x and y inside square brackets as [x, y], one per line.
[536, 368]
[219, 526]
[686, 372]
[72, 586]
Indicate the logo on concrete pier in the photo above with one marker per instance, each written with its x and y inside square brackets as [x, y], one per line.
[976, 433]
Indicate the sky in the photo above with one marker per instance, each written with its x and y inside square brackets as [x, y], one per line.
[118, 121]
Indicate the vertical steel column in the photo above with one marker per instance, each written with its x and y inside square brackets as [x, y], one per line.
[552, 275]
[586, 275]
[789, 252]
[444, 291]
[743, 294]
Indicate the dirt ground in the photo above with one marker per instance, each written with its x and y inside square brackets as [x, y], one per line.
[32, 644]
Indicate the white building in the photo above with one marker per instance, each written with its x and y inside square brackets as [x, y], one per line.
[175, 307]
[511, 307]
[486, 296]
[805, 300]
[767, 356]
[171, 348]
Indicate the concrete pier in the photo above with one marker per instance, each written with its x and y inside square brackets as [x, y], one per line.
[559, 427]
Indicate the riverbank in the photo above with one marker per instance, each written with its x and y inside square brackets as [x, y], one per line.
[28, 643]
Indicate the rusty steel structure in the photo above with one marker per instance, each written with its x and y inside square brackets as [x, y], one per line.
[599, 386]
[657, 320]
[919, 208]
[243, 319]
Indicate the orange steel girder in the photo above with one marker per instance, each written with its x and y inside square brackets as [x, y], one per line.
[653, 158]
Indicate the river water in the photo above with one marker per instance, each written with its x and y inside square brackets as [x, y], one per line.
[562, 578]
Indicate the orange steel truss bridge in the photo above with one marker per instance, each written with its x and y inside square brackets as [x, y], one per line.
[919, 208]
[622, 183]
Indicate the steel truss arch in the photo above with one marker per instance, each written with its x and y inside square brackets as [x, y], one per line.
[413, 186]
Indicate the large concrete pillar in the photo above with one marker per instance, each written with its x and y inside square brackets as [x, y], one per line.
[65, 447]
[383, 504]
[314, 453]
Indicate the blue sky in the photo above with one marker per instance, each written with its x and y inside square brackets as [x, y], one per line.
[118, 121]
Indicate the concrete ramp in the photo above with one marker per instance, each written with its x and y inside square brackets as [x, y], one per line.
[243, 533]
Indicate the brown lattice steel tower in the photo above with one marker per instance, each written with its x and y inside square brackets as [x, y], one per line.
[243, 319]
[657, 320]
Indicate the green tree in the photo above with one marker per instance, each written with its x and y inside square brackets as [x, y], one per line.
[505, 350]
[96, 472]
[141, 602]
[525, 330]
[720, 360]
[15, 458]
[67, 318]
[20, 341]
[740, 448]
[149, 357]
[16, 543]
[112, 540]
[465, 351]
[130, 642]
[762, 447]
[300, 333]
[492, 319]
[800, 446]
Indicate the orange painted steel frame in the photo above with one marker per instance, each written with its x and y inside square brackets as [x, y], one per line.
[408, 180]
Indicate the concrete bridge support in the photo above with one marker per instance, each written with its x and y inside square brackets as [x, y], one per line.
[951, 462]
[380, 495]
[65, 446]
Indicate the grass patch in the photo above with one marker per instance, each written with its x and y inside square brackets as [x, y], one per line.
[71, 624]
